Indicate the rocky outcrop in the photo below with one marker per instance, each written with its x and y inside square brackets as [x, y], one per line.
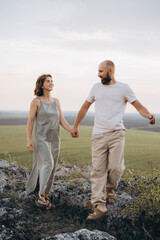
[82, 234]
[21, 219]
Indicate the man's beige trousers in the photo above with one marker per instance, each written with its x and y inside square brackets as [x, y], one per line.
[107, 163]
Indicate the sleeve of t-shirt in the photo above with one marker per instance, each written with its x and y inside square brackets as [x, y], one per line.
[130, 95]
[91, 96]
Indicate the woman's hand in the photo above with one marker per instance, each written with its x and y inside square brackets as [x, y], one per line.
[30, 145]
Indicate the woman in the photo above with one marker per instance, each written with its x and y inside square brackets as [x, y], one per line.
[46, 116]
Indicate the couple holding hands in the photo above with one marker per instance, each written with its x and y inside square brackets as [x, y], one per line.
[108, 138]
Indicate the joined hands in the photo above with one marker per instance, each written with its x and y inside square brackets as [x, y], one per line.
[75, 132]
[152, 119]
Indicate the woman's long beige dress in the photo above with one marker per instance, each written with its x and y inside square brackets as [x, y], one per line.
[46, 148]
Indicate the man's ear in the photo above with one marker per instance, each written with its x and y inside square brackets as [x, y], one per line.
[110, 70]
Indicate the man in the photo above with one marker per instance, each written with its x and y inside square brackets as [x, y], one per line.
[110, 97]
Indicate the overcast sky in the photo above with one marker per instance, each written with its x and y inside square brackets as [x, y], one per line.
[68, 39]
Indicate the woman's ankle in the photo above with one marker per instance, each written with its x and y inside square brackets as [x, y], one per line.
[46, 195]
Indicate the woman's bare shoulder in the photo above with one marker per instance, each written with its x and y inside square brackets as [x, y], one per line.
[57, 101]
[35, 101]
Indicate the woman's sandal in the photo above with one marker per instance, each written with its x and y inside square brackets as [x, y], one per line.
[111, 197]
[41, 202]
[48, 203]
[89, 205]
[95, 215]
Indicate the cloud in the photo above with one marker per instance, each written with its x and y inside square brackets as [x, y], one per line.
[131, 27]
[70, 38]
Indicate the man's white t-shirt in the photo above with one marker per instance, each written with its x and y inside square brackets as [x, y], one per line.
[110, 104]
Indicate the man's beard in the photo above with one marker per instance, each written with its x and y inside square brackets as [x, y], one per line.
[106, 80]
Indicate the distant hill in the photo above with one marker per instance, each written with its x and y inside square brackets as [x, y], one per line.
[131, 120]
[13, 114]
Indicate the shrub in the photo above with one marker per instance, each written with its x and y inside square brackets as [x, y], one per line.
[145, 207]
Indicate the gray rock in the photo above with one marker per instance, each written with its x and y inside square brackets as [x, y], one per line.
[6, 233]
[2, 211]
[77, 191]
[71, 189]
[11, 212]
[114, 210]
[4, 164]
[6, 200]
[82, 234]
[12, 176]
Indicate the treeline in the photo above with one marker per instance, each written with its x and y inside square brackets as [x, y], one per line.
[131, 120]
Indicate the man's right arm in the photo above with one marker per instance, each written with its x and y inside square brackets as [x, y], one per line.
[80, 116]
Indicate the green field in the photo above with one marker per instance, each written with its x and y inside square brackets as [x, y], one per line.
[141, 147]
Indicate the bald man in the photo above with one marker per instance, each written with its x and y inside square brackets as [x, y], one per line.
[108, 138]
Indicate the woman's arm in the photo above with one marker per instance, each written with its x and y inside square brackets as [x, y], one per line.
[63, 122]
[30, 123]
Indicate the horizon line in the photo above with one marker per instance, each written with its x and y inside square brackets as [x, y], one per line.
[20, 111]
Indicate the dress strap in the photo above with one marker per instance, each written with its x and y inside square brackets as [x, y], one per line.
[40, 104]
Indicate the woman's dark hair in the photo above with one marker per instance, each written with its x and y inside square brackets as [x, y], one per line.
[38, 91]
